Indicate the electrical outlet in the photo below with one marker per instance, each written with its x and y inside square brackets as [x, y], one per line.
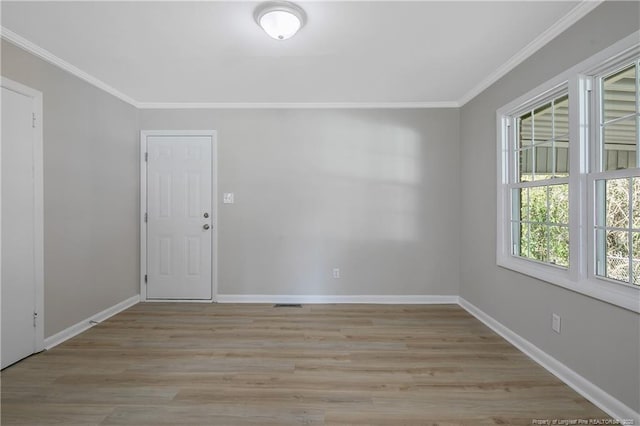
[336, 272]
[555, 323]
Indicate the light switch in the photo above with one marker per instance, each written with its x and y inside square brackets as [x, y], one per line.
[227, 198]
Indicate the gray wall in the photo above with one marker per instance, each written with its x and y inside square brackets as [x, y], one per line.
[373, 192]
[378, 193]
[90, 192]
[598, 340]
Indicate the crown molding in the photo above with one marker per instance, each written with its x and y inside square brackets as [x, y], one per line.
[578, 12]
[44, 54]
[295, 105]
[574, 15]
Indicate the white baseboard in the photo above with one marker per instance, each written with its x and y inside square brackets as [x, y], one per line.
[304, 298]
[83, 325]
[177, 300]
[584, 387]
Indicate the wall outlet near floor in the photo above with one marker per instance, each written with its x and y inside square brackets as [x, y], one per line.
[336, 272]
[555, 323]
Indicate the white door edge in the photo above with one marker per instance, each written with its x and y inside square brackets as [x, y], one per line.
[143, 208]
[38, 178]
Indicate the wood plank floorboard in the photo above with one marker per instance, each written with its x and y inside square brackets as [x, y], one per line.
[246, 364]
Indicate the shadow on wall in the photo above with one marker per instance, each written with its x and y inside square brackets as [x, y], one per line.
[375, 171]
[358, 181]
[355, 190]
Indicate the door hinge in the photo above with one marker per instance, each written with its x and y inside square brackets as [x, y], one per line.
[146, 156]
[33, 120]
[145, 278]
[146, 217]
[35, 318]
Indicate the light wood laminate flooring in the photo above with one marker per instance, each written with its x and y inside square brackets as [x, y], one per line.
[246, 364]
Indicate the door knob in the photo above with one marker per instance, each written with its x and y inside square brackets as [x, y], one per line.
[206, 226]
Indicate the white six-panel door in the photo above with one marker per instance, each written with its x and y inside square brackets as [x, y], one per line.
[180, 217]
[21, 266]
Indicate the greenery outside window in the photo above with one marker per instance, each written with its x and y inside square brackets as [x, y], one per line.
[540, 186]
[617, 181]
[568, 184]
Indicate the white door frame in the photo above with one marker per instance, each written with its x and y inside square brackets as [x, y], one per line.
[143, 209]
[38, 203]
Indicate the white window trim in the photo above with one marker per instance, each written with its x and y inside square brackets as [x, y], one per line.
[591, 179]
[579, 277]
[512, 178]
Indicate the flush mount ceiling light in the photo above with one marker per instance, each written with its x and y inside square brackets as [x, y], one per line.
[280, 19]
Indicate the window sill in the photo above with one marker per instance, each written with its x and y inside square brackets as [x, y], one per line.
[605, 290]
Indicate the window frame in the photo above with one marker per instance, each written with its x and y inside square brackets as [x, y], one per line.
[593, 242]
[513, 178]
[597, 167]
[579, 81]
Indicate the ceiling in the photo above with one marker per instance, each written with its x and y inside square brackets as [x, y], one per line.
[422, 53]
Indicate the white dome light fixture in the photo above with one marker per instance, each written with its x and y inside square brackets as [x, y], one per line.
[280, 19]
